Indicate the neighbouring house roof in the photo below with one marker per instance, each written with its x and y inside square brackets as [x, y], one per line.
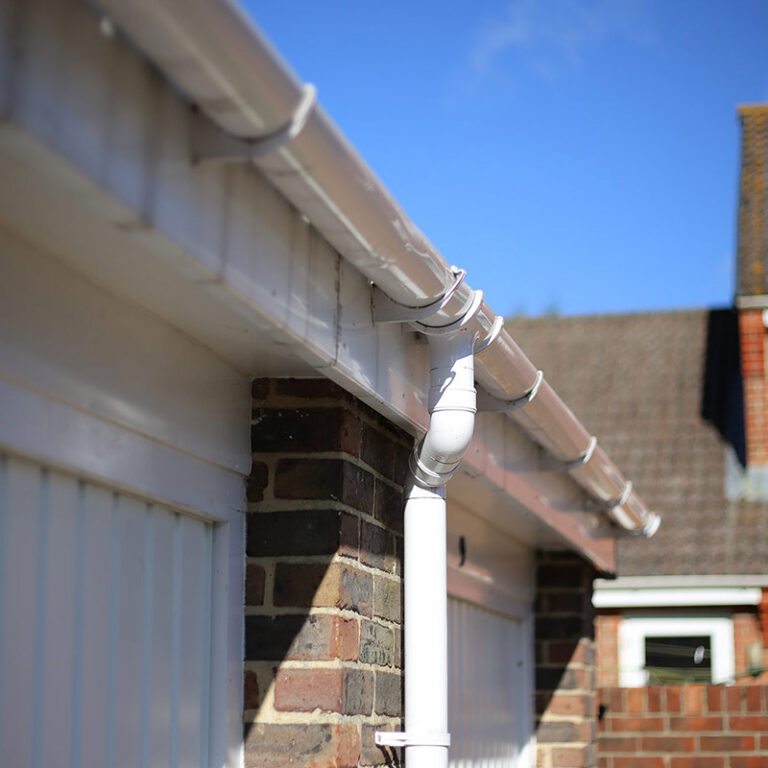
[753, 201]
[638, 381]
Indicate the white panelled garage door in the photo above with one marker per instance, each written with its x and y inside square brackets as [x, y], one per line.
[105, 625]
[489, 688]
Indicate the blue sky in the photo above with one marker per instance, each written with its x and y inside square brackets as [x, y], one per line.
[576, 156]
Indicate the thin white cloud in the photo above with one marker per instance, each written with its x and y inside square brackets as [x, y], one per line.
[552, 35]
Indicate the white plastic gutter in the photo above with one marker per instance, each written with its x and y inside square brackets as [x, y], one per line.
[211, 51]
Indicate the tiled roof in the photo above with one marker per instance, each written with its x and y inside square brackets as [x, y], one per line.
[636, 381]
[753, 201]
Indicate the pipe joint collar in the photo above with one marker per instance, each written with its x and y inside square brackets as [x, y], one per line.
[430, 477]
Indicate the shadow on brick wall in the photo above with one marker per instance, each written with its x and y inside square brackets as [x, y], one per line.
[323, 624]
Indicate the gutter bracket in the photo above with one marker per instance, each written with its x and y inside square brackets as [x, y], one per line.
[488, 402]
[620, 501]
[412, 739]
[210, 144]
[493, 334]
[387, 310]
[580, 461]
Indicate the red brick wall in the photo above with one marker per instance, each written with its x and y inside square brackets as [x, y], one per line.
[688, 726]
[323, 607]
[753, 339]
[566, 702]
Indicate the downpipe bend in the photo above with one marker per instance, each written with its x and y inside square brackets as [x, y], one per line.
[452, 407]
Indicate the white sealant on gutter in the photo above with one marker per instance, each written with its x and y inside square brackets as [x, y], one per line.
[214, 55]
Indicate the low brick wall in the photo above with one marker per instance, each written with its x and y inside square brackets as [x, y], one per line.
[323, 624]
[684, 726]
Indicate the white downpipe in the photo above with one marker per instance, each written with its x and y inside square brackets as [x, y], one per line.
[426, 629]
[434, 460]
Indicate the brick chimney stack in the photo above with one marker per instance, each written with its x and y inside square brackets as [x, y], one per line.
[752, 278]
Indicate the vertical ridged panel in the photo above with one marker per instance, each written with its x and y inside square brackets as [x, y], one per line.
[488, 688]
[105, 625]
[20, 544]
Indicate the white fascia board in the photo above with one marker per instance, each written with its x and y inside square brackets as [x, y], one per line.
[682, 581]
[678, 591]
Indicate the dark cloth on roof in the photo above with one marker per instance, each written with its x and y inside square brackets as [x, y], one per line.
[637, 382]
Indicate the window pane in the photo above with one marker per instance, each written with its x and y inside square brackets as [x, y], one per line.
[678, 659]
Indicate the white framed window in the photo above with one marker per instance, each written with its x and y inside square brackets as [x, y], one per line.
[676, 643]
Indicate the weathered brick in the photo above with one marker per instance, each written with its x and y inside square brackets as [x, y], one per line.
[269, 745]
[303, 638]
[376, 450]
[305, 430]
[358, 692]
[377, 547]
[348, 746]
[557, 732]
[389, 694]
[250, 690]
[354, 590]
[573, 757]
[336, 585]
[257, 482]
[377, 644]
[254, 584]
[388, 505]
[568, 704]
[324, 480]
[304, 690]
[348, 640]
[297, 583]
[300, 532]
[387, 599]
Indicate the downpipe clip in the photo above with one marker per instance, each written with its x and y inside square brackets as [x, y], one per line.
[412, 739]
